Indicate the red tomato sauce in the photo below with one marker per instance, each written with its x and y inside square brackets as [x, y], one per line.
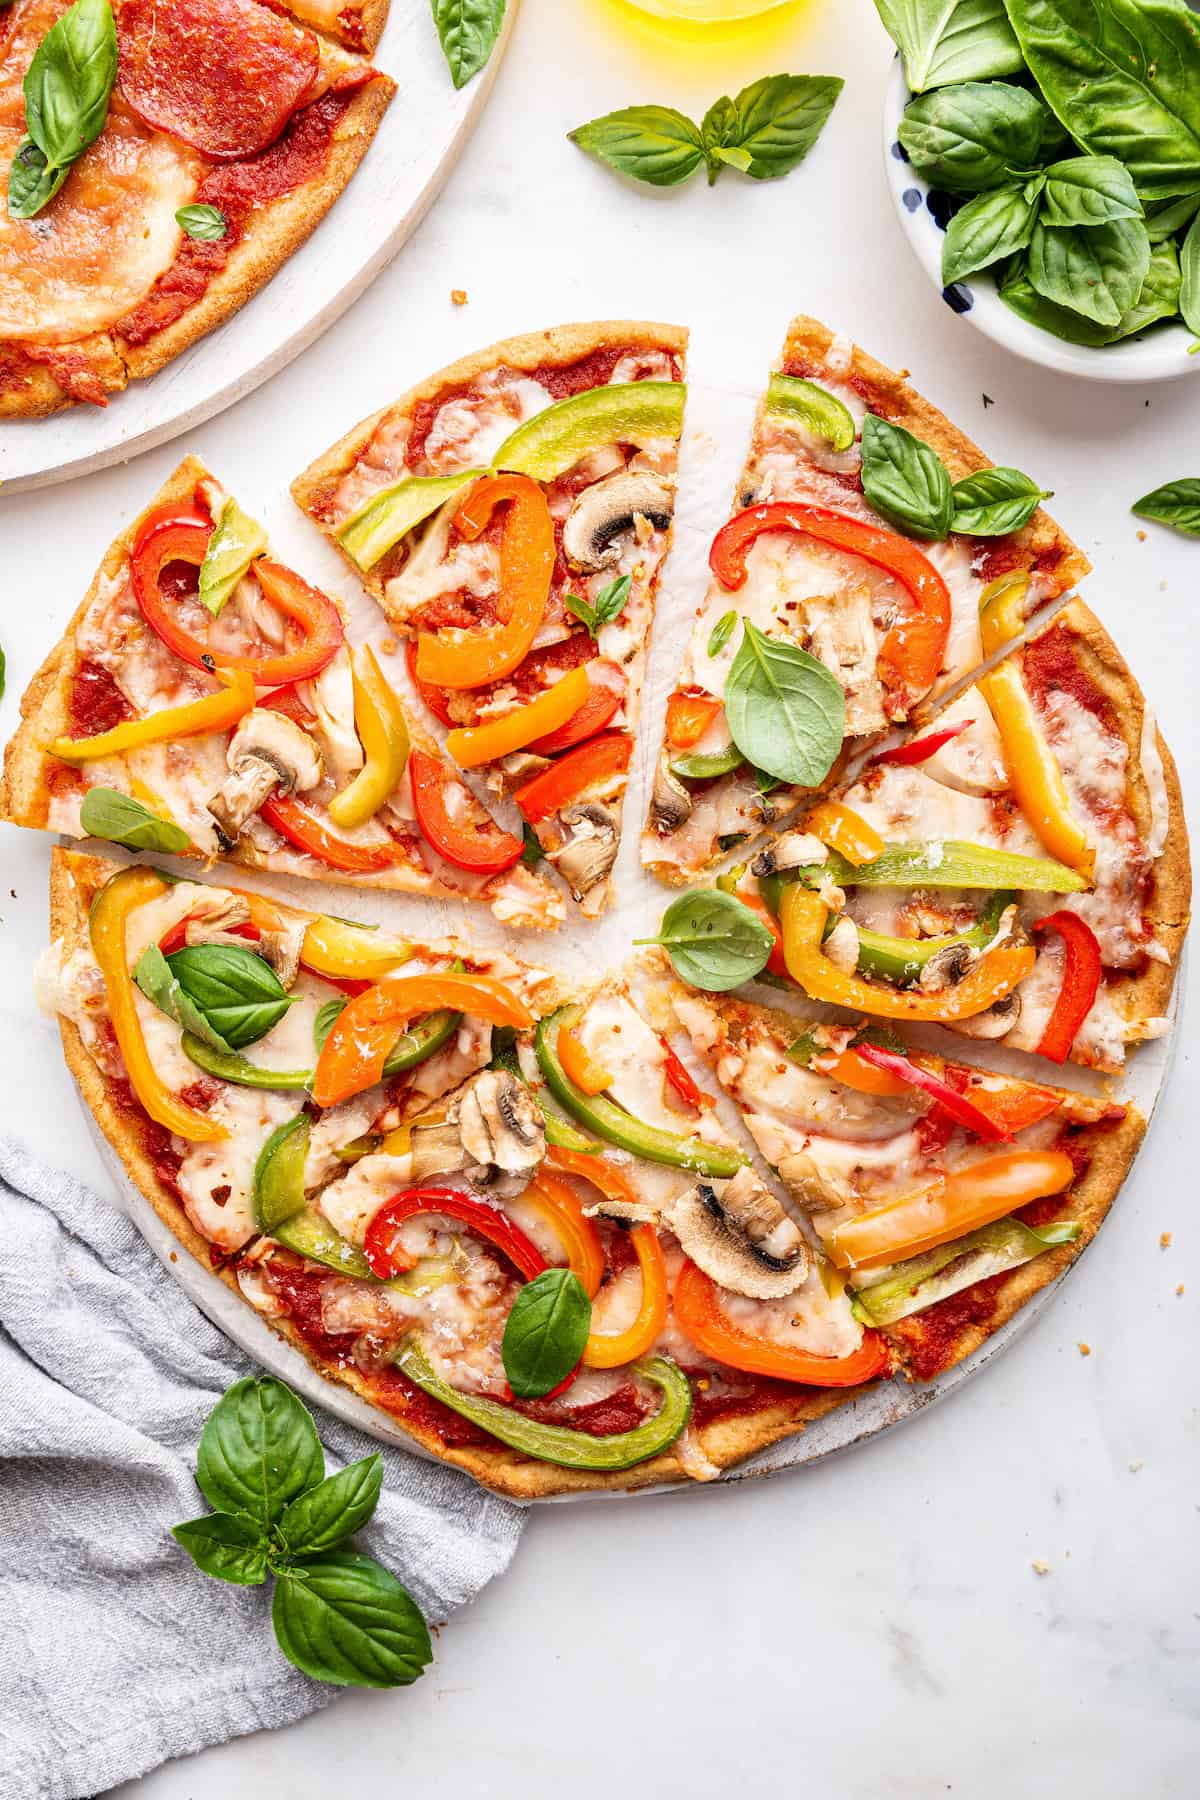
[97, 703]
[1050, 665]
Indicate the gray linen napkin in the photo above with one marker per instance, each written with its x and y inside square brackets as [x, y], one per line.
[115, 1653]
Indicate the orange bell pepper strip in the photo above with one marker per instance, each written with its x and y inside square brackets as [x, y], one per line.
[557, 1201]
[689, 716]
[802, 916]
[699, 1315]
[580, 1067]
[977, 1195]
[196, 718]
[844, 831]
[556, 787]
[605, 696]
[469, 659]
[477, 744]
[611, 1350]
[604, 1176]
[850, 1069]
[357, 1047]
[107, 922]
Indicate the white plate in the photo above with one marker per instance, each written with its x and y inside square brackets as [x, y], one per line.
[417, 144]
[1161, 354]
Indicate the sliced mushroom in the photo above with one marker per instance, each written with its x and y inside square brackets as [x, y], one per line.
[216, 923]
[791, 850]
[946, 968]
[608, 509]
[670, 802]
[522, 765]
[587, 856]
[437, 1150]
[281, 948]
[841, 946]
[996, 1022]
[742, 1238]
[500, 1123]
[267, 751]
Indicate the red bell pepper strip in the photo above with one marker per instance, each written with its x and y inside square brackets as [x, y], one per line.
[606, 691]
[286, 700]
[566, 779]
[304, 831]
[1008, 1102]
[956, 1105]
[679, 1078]
[700, 1317]
[1081, 978]
[388, 1258]
[472, 841]
[432, 696]
[910, 655]
[776, 962]
[181, 534]
[921, 749]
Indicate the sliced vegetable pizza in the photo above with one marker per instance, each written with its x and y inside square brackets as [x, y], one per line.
[844, 597]
[501, 1211]
[1018, 872]
[940, 1194]
[512, 516]
[205, 702]
[162, 159]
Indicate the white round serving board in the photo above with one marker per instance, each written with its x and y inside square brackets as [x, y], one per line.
[418, 142]
[718, 426]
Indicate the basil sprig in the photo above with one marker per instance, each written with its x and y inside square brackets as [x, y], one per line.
[338, 1615]
[763, 132]
[152, 972]
[786, 712]
[608, 605]
[713, 939]
[906, 480]
[468, 30]
[67, 88]
[546, 1332]
[236, 990]
[1176, 503]
[120, 819]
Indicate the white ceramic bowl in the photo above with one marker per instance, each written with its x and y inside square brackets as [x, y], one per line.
[1159, 355]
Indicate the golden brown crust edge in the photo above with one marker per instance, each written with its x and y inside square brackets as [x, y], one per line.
[557, 345]
[41, 394]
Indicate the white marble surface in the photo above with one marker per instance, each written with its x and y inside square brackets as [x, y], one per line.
[873, 1626]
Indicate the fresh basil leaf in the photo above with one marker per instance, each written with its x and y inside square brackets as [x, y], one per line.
[1189, 277]
[226, 1546]
[69, 80]
[994, 502]
[608, 605]
[1019, 294]
[208, 223]
[904, 479]
[1160, 295]
[327, 1013]
[654, 144]
[941, 41]
[533, 853]
[337, 1507]
[777, 122]
[120, 819]
[718, 129]
[714, 941]
[786, 712]
[342, 1618]
[987, 228]
[1166, 217]
[1176, 503]
[970, 137]
[152, 972]
[32, 181]
[546, 1332]
[1094, 270]
[237, 990]
[259, 1449]
[468, 30]
[721, 632]
[1122, 77]
[1087, 190]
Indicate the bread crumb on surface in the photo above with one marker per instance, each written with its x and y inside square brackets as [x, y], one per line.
[1134, 1467]
[1041, 1568]
[1141, 537]
[1164, 1240]
[458, 296]
[1085, 1349]
[1179, 1289]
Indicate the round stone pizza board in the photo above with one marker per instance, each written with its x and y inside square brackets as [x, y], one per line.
[419, 141]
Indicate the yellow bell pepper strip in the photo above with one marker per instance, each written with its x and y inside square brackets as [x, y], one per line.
[612, 1350]
[107, 922]
[197, 718]
[802, 916]
[703, 1321]
[1033, 772]
[580, 1066]
[363, 1033]
[335, 947]
[844, 831]
[469, 659]
[977, 1195]
[383, 732]
[557, 1202]
[500, 737]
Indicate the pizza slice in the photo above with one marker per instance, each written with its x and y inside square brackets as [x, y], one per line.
[205, 700]
[230, 131]
[827, 619]
[381, 1144]
[941, 1194]
[1018, 872]
[512, 516]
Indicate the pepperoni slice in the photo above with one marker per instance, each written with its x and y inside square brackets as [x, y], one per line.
[225, 76]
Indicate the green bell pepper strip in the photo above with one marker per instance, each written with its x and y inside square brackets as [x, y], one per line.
[421, 1041]
[910, 1287]
[308, 1234]
[415, 1046]
[615, 1125]
[278, 1186]
[561, 1444]
[707, 767]
[359, 1147]
[558, 1132]
[628, 412]
[387, 516]
[816, 408]
[946, 863]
